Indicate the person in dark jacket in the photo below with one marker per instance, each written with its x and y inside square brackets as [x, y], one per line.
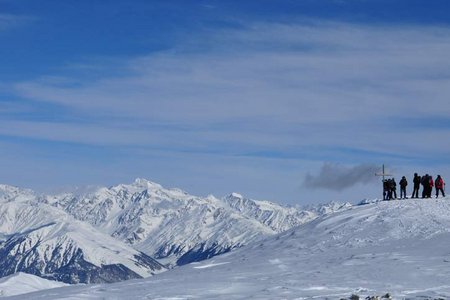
[425, 181]
[439, 184]
[403, 183]
[386, 190]
[393, 187]
[416, 187]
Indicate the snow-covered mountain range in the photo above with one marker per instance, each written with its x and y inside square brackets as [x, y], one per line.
[39, 239]
[400, 248]
[111, 234]
[178, 228]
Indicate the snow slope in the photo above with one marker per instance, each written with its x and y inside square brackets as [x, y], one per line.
[22, 283]
[40, 239]
[170, 224]
[396, 247]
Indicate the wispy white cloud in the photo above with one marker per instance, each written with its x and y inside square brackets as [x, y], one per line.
[309, 84]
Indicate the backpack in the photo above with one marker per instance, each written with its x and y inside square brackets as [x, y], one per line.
[424, 180]
[392, 184]
[403, 182]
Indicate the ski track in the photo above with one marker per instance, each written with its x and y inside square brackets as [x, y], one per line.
[211, 265]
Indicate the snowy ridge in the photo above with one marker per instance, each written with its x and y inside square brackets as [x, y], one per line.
[395, 247]
[12, 193]
[276, 217]
[170, 224]
[22, 283]
[39, 239]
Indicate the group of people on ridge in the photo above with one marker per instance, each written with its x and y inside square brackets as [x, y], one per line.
[427, 182]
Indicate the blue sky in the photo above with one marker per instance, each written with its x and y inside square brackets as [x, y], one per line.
[221, 96]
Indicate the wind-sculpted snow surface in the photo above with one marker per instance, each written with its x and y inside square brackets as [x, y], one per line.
[42, 240]
[171, 224]
[396, 247]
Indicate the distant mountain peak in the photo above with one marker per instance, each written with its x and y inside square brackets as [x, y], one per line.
[145, 183]
[236, 195]
[11, 188]
[10, 193]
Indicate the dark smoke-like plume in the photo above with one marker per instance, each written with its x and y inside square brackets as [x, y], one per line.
[338, 177]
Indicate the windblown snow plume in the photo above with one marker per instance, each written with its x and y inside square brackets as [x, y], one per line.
[338, 177]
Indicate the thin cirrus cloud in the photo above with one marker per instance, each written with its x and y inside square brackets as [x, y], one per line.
[309, 84]
[9, 21]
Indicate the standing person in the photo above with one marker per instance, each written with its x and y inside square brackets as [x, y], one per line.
[425, 181]
[416, 182]
[403, 183]
[431, 186]
[439, 184]
[385, 189]
[393, 186]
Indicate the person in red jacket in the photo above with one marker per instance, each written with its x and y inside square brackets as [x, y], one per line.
[439, 184]
[431, 186]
